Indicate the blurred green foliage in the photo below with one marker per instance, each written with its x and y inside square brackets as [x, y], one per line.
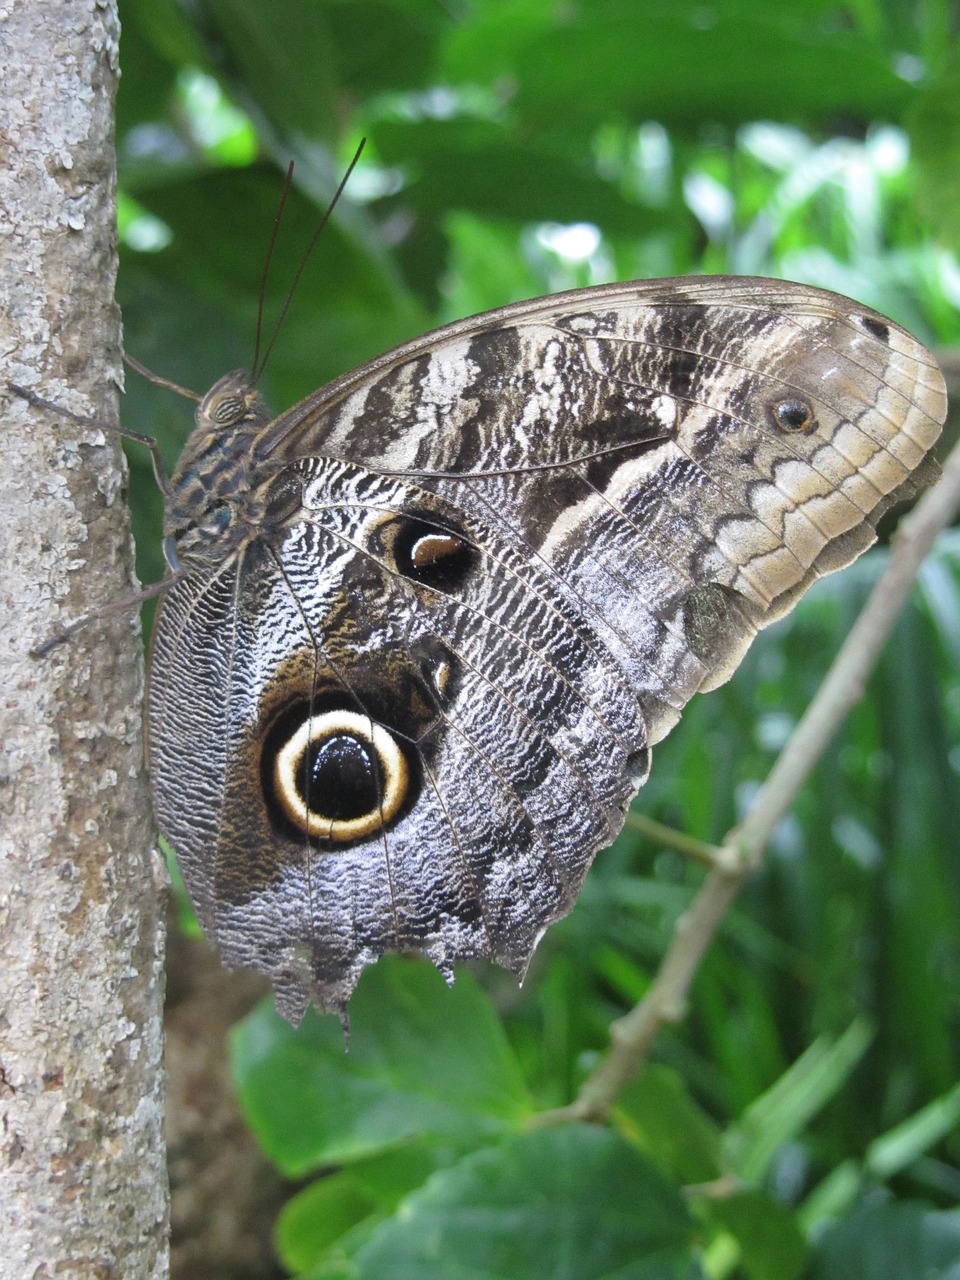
[809, 1100]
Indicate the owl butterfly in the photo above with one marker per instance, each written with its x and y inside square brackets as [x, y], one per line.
[424, 628]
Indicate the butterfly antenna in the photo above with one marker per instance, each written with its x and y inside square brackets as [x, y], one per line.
[287, 182]
[156, 379]
[259, 368]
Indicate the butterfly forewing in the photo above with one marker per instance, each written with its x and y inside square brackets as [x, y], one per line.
[468, 584]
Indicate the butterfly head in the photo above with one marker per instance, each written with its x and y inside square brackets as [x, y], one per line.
[231, 403]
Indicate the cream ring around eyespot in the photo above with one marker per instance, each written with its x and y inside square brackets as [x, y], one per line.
[312, 732]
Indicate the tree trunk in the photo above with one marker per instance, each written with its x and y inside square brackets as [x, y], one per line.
[82, 1179]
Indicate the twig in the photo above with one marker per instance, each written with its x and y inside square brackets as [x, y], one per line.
[711, 855]
[742, 849]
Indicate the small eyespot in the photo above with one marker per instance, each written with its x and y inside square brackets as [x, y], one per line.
[433, 556]
[438, 670]
[793, 415]
[876, 327]
[340, 776]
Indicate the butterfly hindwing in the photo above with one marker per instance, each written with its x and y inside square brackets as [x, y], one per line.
[522, 741]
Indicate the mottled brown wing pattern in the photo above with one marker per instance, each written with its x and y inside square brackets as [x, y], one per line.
[407, 690]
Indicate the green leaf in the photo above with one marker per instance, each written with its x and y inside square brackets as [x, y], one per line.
[770, 1243]
[893, 1151]
[687, 64]
[934, 125]
[889, 1241]
[483, 167]
[423, 1059]
[385, 44]
[832, 1197]
[330, 1218]
[155, 37]
[888, 1155]
[784, 1110]
[576, 1203]
[259, 44]
[318, 1217]
[657, 1112]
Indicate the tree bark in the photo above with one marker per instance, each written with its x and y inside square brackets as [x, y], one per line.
[82, 1179]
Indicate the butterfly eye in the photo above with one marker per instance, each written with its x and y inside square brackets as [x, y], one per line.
[340, 776]
[227, 409]
[431, 555]
[794, 415]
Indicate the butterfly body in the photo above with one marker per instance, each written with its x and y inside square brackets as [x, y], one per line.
[427, 623]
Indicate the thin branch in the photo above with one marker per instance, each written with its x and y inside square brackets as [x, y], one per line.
[710, 855]
[743, 848]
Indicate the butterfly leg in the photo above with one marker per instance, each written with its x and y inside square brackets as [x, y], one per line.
[38, 402]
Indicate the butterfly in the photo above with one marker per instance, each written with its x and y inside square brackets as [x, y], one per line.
[422, 630]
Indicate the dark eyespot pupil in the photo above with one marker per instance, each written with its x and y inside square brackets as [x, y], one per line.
[793, 415]
[436, 557]
[433, 548]
[342, 778]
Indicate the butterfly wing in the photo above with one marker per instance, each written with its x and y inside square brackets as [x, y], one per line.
[686, 456]
[520, 742]
[412, 706]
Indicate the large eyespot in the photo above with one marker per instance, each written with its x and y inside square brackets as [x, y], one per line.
[427, 553]
[793, 415]
[340, 776]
